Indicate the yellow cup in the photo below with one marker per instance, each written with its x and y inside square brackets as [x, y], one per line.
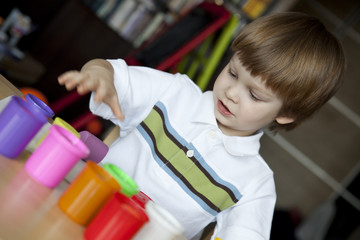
[62, 123]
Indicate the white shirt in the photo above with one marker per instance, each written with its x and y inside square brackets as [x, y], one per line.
[191, 169]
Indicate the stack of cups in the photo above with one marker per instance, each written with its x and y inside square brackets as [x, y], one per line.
[18, 125]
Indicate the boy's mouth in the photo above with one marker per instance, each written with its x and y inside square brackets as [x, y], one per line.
[223, 108]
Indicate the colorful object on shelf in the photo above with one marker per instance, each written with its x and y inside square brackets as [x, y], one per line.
[18, 125]
[98, 149]
[35, 92]
[162, 225]
[255, 8]
[87, 194]
[128, 185]
[39, 106]
[55, 157]
[119, 219]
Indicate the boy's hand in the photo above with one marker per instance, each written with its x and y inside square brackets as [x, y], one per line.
[90, 80]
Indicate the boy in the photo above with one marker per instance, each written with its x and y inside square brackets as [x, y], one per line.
[197, 154]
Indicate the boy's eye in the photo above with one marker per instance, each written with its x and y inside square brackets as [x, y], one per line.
[254, 97]
[231, 73]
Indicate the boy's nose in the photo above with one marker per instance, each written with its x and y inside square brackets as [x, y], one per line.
[233, 94]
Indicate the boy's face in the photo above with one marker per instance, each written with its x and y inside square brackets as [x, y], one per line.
[243, 104]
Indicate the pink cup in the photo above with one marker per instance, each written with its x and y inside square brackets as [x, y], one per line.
[55, 157]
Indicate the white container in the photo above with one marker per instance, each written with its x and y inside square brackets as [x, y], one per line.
[161, 226]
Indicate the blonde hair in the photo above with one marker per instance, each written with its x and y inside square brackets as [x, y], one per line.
[298, 59]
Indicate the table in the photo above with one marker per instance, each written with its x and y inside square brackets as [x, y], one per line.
[28, 210]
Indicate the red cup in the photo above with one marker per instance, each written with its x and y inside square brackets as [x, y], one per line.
[119, 219]
[141, 199]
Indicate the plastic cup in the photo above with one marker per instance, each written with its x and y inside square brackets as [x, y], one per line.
[162, 225]
[88, 193]
[18, 125]
[98, 149]
[141, 199]
[55, 157]
[39, 106]
[128, 185]
[119, 219]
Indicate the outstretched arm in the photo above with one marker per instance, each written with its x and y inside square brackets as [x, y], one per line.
[95, 76]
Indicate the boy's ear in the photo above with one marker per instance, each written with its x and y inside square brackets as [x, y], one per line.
[284, 120]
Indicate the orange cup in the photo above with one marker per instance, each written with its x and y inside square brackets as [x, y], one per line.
[86, 195]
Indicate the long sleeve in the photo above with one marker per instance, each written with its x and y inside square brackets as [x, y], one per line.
[138, 89]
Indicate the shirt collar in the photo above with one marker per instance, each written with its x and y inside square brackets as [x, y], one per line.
[235, 145]
[204, 110]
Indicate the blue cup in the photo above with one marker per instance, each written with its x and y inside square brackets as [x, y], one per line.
[18, 125]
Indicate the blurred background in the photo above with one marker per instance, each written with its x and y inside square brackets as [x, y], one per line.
[316, 166]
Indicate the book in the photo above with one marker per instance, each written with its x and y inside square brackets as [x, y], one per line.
[135, 21]
[120, 15]
[106, 7]
[150, 29]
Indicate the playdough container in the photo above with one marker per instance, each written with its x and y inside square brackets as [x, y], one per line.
[18, 125]
[119, 219]
[55, 157]
[87, 194]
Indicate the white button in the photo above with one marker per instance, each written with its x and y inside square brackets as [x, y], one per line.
[190, 153]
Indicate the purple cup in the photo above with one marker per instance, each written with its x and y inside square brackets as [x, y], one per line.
[55, 157]
[39, 106]
[98, 149]
[18, 125]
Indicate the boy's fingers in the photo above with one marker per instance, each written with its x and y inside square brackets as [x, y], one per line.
[70, 79]
[116, 109]
[99, 96]
[65, 77]
[112, 102]
[118, 113]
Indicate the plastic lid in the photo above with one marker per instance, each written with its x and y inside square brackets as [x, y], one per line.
[62, 123]
[128, 185]
[39, 106]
